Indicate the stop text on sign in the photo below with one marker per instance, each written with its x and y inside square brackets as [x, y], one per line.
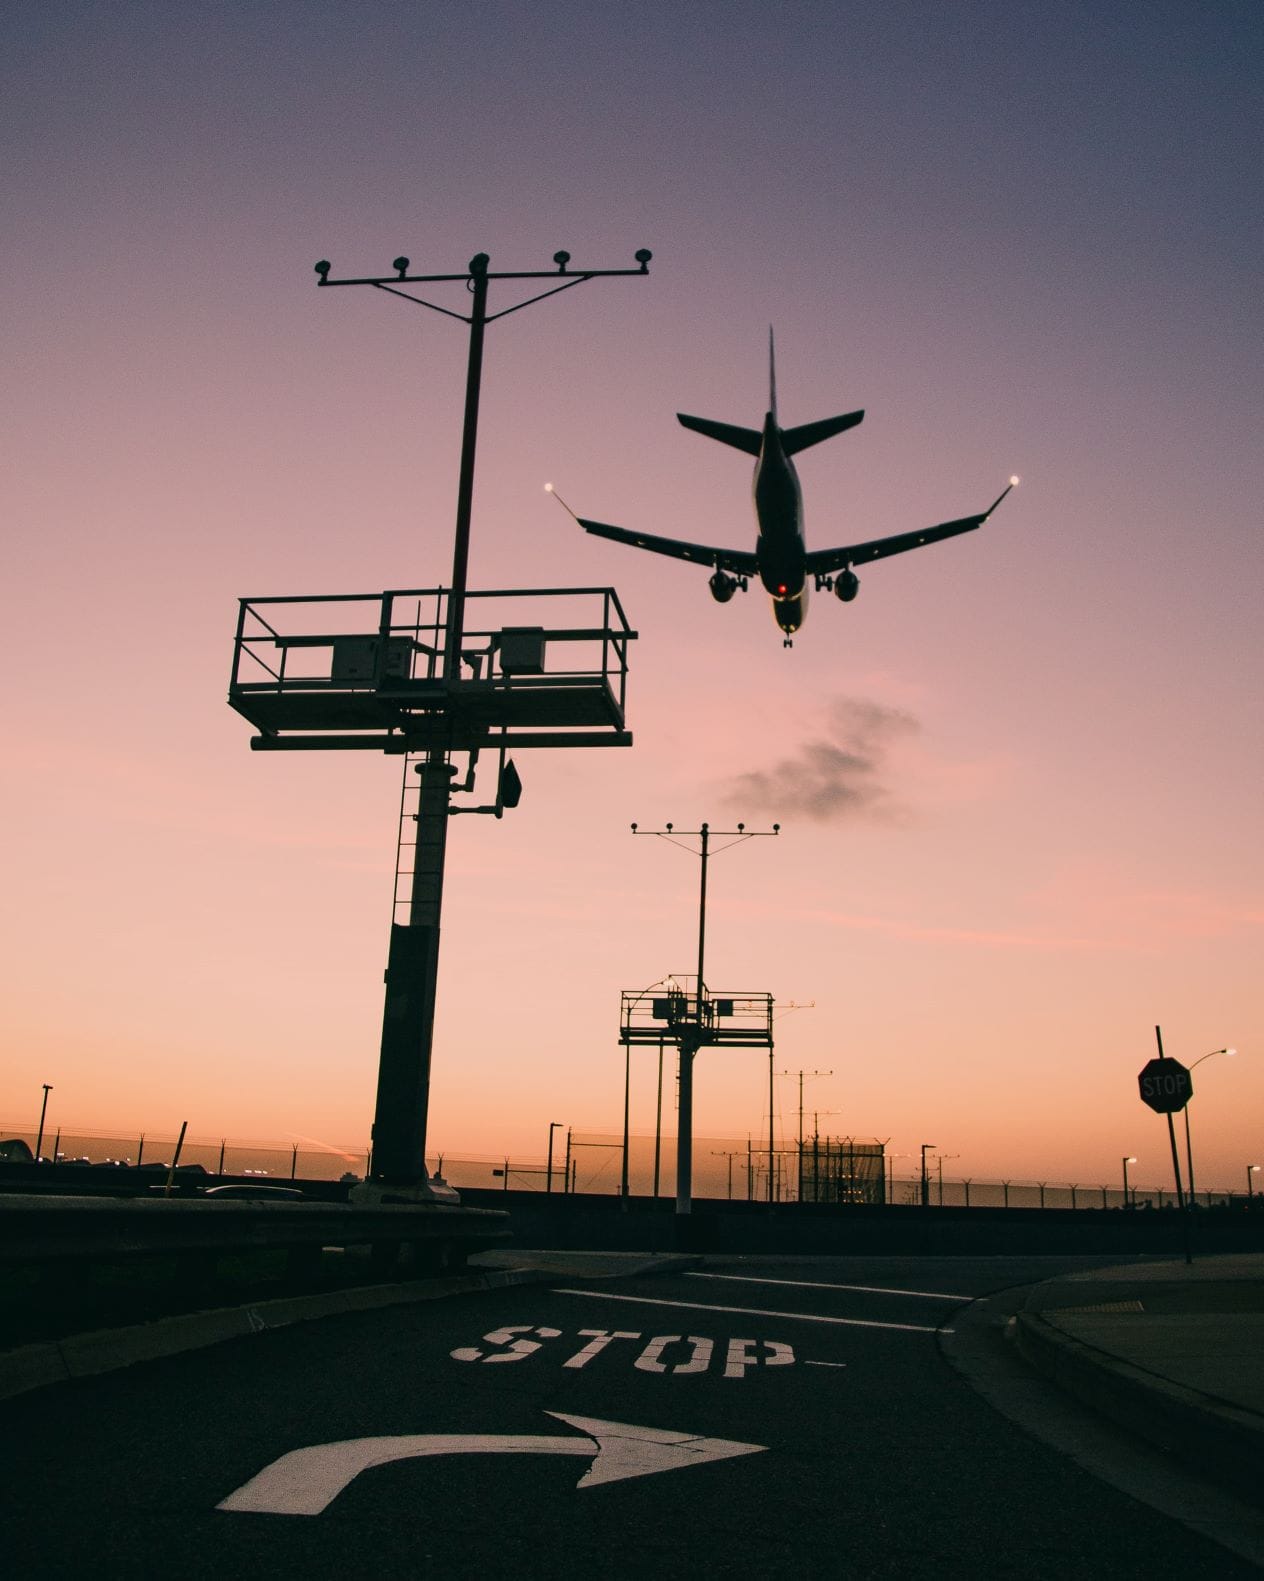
[676, 1354]
[1165, 1085]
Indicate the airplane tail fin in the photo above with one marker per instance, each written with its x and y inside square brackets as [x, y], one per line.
[795, 439]
[792, 439]
[747, 439]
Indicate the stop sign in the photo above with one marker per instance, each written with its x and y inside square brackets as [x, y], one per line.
[1165, 1085]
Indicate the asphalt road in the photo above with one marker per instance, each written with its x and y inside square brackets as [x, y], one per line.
[760, 1417]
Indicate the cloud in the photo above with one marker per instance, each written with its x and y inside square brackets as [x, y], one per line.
[839, 775]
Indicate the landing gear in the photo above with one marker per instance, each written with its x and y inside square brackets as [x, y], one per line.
[787, 642]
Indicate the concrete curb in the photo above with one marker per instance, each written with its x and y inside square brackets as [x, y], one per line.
[1210, 1436]
[106, 1350]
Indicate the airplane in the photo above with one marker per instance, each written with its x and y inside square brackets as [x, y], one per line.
[780, 558]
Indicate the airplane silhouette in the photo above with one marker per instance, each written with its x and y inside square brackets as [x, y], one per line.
[781, 560]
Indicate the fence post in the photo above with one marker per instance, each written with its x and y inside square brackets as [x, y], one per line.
[220, 1170]
[294, 1162]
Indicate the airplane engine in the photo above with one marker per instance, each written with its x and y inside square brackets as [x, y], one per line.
[722, 587]
[846, 586]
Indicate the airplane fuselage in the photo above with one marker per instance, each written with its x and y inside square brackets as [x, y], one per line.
[780, 549]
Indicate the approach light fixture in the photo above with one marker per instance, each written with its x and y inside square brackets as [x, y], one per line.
[741, 828]
[322, 269]
[643, 256]
[401, 264]
[633, 828]
[479, 263]
[561, 259]
[776, 828]
[669, 828]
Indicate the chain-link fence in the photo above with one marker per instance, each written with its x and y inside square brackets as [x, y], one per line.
[827, 1169]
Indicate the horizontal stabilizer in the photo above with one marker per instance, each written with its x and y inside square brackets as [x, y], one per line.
[747, 439]
[795, 439]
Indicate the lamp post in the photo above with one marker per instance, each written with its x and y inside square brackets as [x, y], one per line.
[1189, 1154]
[39, 1140]
[926, 1147]
[1251, 1169]
[1131, 1159]
[554, 1125]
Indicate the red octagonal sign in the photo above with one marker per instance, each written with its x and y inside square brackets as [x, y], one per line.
[1165, 1085]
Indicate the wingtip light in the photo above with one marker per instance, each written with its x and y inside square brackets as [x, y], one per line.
[1015, 481]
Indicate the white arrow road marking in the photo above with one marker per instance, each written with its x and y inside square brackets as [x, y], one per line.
[306, 1480]
[706, 1306]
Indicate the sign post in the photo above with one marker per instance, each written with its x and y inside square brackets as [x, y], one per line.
[1166, 1087]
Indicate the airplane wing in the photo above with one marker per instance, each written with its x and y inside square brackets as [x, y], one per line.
[821, 562]
[738, 562]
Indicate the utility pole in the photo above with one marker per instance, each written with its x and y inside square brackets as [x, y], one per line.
[403, 1094]
[693, 1038]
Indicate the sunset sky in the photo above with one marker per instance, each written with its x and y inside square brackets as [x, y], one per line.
[1019, 779]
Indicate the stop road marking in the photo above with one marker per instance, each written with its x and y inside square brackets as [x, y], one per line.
[678, 1354]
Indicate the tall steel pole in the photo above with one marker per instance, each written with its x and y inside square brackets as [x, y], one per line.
[403, 1095]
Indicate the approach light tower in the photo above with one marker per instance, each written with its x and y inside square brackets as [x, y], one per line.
[699, 1019]
[313, 673]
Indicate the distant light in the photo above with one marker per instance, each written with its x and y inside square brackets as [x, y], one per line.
[548, 488]
[1015, 481]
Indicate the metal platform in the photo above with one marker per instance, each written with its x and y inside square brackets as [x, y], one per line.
[366, 671]
[671, 1016]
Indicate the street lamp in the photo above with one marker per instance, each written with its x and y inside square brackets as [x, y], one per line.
[926, 1147]
[39, 1140]
[554, 1125]
[1131, 1159]
[1189, 1155]
[1251, 1169]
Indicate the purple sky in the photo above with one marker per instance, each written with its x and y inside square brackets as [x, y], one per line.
[1019, 778]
